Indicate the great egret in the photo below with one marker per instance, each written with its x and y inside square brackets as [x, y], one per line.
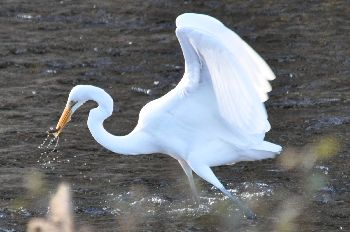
[214, 116]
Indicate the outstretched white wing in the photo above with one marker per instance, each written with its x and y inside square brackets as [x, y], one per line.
[239, 76]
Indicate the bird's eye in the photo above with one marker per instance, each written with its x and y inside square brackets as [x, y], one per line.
[72, 103]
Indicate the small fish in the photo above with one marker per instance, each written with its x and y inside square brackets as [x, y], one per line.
[52, 130]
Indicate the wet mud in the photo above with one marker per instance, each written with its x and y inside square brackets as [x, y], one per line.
[129, 48]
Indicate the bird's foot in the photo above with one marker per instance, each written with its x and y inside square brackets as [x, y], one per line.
[196, 199]
[249, 214]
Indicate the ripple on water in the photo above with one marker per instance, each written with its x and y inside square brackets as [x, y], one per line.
[325, 195]
[141, 90]
[26, 16]
[304, 102]
[255, 190]
[21, 211]
[323, 169]
[6, 213]
[183, 208]
[3, 215]
[321, 123]
[251, 190]
[95, 211]
[152, 204]
[2, 229]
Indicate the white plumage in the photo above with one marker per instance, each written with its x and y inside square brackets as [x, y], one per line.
[215, 115]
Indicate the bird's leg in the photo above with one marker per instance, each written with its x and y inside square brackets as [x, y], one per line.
[207, 174]
[248, 213]
[189, 175]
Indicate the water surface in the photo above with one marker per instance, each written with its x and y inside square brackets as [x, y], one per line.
[130, 49]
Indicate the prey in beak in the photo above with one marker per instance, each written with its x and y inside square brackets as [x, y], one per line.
[62, 122]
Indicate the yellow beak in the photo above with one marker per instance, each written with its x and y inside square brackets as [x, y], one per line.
[62, 122]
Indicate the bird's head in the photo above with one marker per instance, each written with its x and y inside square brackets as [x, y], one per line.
[77, 97]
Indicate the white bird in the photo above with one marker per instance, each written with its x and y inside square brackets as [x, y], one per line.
[214, 116]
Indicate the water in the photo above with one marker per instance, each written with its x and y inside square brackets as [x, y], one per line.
[47, 47]
[141, 90]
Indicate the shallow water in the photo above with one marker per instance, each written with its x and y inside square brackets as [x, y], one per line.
[130, 49]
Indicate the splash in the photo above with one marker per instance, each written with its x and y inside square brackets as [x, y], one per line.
[44, 141]
[48, 144]
[49, 156]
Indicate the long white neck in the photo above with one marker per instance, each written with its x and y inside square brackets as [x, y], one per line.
[137, 142]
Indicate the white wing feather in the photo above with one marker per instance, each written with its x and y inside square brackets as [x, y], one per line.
[239, 76]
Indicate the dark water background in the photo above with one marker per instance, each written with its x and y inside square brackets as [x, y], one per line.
[47, 47]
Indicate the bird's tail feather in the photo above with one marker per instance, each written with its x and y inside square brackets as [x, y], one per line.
[265, 150]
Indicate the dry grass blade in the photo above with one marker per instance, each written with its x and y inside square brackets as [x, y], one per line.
[60, 217]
